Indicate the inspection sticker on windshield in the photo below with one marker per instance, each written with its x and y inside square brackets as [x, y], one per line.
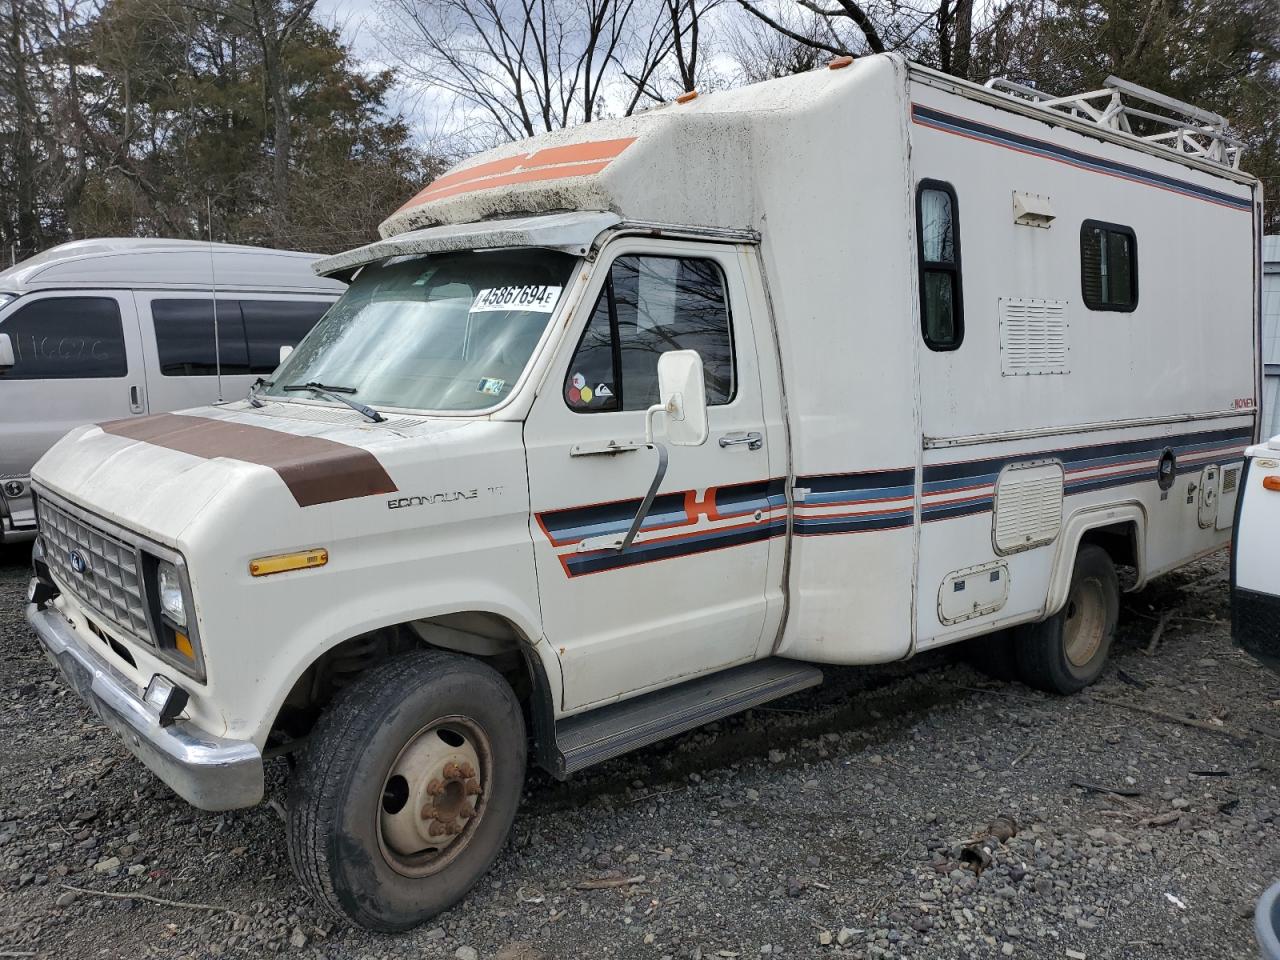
[535, 299]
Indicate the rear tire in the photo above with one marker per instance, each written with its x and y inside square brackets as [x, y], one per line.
[1066, 653]
[406, 791]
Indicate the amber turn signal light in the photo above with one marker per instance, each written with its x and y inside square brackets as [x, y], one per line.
[1272, 482]
[281, 563]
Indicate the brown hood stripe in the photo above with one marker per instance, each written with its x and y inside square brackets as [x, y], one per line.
[314, 469]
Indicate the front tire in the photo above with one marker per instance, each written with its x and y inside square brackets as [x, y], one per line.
[406, 791]
[1066, 653]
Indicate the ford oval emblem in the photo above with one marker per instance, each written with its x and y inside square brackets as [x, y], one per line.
[77, 561]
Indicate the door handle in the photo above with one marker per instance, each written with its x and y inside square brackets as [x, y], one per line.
[135, 399]
[753, 440]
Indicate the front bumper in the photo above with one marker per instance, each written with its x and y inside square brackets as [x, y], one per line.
[206, 771]
[1255, 625]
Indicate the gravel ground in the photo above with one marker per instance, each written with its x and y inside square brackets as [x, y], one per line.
[831, 823]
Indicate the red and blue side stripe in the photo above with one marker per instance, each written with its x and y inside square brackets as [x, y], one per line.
[682, 523]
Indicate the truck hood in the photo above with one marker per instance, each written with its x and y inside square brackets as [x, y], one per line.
[156, 474]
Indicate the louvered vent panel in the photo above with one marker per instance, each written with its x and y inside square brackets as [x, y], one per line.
[1028, 511]
[1229, 479]
[1033, 337]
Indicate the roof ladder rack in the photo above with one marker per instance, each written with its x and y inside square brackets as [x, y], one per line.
[1190, 130]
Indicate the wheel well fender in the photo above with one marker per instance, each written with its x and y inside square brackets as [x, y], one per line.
[1119, 528]
[527, 662]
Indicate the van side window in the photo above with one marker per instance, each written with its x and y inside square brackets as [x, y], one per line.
[1108, 266]
[938, 239]
[66, 338]
[649, 305]
[272, 324]
[184, 337]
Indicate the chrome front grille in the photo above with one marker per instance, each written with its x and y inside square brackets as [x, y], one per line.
[96, 568]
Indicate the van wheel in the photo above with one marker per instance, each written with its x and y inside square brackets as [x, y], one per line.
[407, 789]
[1066, 653]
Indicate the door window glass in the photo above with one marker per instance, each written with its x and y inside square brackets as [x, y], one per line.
[185, 338]
[938, 230]
[651, 305]
[66, 338]
[272, 324]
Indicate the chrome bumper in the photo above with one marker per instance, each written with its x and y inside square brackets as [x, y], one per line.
[206, 771]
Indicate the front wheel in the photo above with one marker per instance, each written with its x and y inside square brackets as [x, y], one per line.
[1066, 653]
[407, 789]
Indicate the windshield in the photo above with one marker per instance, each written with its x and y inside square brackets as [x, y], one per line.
[449, 331]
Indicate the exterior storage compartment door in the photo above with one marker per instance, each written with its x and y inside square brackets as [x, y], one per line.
[1228, 490]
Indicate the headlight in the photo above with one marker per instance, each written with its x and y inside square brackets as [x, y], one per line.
[171, 602]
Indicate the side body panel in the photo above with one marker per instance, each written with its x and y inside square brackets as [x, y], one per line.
[840, 275]
[1100, 394]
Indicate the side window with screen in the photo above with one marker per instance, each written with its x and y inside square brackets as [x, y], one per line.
[272, 324]
[650, 305]
[185, 340]
[66, 338]
[938, 239]
[1108, 266]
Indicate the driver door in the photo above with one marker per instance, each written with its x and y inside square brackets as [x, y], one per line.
[691, 593]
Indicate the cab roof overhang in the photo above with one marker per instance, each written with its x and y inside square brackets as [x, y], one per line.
[573, 232]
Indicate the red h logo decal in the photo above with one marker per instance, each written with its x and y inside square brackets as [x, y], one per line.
[704, 507]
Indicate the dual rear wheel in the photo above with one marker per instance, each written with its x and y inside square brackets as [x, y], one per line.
[1066, 652]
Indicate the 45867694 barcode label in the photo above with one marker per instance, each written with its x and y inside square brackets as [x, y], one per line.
[533, 298]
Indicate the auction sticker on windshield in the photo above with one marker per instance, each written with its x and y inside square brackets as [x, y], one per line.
[533, 298]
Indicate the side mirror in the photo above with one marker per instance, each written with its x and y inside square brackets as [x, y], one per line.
[6, 352]
[683, 395]
[285, 350]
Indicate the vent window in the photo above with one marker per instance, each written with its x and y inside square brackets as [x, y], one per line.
[1108, 266]
[938, 242]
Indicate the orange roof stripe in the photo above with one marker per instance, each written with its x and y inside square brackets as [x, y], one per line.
[550, 163]
[558, 172]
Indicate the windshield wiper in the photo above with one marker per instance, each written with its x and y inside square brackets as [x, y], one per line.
[337, 394]
[253, 391]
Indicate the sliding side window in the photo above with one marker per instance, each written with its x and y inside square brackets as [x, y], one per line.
[938, 236]
[650, 305]
[1108, 266]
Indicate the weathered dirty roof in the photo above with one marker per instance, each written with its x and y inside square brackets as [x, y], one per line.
[694, 163]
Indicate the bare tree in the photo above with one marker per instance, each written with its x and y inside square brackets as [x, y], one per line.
[517, 67]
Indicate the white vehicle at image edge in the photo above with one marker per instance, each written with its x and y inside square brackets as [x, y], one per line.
[1255, 556]
[117, 328]
[628, 427]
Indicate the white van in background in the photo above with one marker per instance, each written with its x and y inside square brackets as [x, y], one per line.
[104, 329]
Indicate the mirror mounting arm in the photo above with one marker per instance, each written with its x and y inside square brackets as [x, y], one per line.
[647, 503]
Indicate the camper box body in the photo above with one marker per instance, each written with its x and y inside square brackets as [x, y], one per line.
[935, 494]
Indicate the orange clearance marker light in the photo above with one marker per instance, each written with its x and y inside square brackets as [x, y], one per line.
[839, 62]
[183, 645]
[1271, 483]
[281, 563]
[687, 96]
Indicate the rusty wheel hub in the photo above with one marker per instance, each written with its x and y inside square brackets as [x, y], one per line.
[432, 797]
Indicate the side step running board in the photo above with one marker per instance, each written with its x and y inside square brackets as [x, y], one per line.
[611, 731]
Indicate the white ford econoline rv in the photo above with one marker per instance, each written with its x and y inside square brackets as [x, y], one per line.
[98, 329]
[631, 426]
